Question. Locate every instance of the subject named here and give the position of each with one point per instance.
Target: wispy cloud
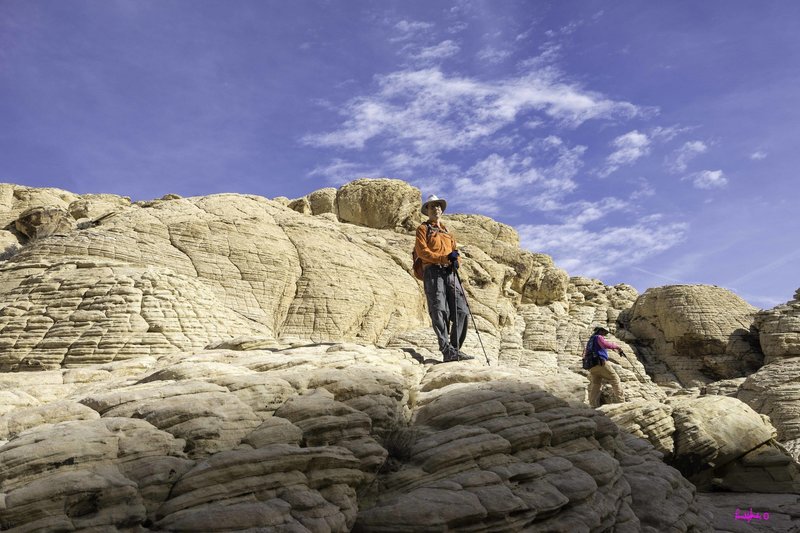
(667, 133)
(443, 50)
(643, 190)
(679, 159)
(408, 29)
(708, 179)
(339, 171)
(497, 177)
(758, 155)
(435, 112)
(493, 55)
(600, 253)
(629, 147)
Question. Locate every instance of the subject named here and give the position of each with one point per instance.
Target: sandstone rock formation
(237, 362)
(779, 330)
(775, 391)
(717, 442)
(379, 204)
(38, 222)
(357, 438)
(699, 333)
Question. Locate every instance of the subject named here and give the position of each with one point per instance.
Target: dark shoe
(460, 356)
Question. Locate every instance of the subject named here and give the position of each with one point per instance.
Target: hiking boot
(460, 356)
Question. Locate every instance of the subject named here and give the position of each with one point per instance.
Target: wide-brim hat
(433, 199)
(601, 330)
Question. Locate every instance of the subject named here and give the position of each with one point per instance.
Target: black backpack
(591, 359)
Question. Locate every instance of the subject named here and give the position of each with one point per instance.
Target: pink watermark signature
(750, 515)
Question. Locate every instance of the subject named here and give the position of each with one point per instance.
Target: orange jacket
(433, 250)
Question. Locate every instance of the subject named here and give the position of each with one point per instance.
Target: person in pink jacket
(602, 368)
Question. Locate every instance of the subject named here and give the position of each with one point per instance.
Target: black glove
(453, 256)
(622, 353)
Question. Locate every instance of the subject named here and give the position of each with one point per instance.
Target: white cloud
(339, 171)
(496, 176)
(584, 212)
(644, 190)
(680, 158)
(708, 179)
(550, 52)
(629, 147)
(409, 28)
(758, 155)
(434, 112)
(537, 177)
(493, 55)
(600, 253)
(443, 50)
(666, 134)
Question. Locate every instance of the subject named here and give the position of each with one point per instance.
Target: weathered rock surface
(721, 443)
(363, 432)
(380, 204)
(237, 362)
(779, 330)
(38, 222)
(776, 512)
(717, 442)
(700, 333)
(775, 391)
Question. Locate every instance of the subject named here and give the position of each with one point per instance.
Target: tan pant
(596, 376)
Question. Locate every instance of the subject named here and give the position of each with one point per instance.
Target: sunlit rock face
(779, 330)
(701, 334)
(234, 362)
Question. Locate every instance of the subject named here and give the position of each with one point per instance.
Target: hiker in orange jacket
(436, 247)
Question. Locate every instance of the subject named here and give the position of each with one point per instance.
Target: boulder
(779, 330)
(721, 443)
(93, 206)
(323, 201)
(700, 333)
(775, 391)
(38, 222)
(380, 204)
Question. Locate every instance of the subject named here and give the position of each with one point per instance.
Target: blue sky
(649, 143)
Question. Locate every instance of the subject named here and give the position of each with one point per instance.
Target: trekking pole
(625, 355)
(455, 312)
(464, 293)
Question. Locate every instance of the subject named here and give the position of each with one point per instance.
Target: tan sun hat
(433, 199)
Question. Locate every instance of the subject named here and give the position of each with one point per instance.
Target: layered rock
(380, 204)
(282, 351)
(700, 333)
(717, 442)
(505, 456)
(208, 277)
(498, 452)
(105, 473)
(779, 330)
(775, 391)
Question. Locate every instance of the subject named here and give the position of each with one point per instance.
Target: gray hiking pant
(443, 300)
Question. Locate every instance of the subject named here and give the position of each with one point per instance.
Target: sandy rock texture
(232, 362)
(779, 330)
(695, 334)
(717, 442)
(775, 391)
(356, 438)
(770, 513)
